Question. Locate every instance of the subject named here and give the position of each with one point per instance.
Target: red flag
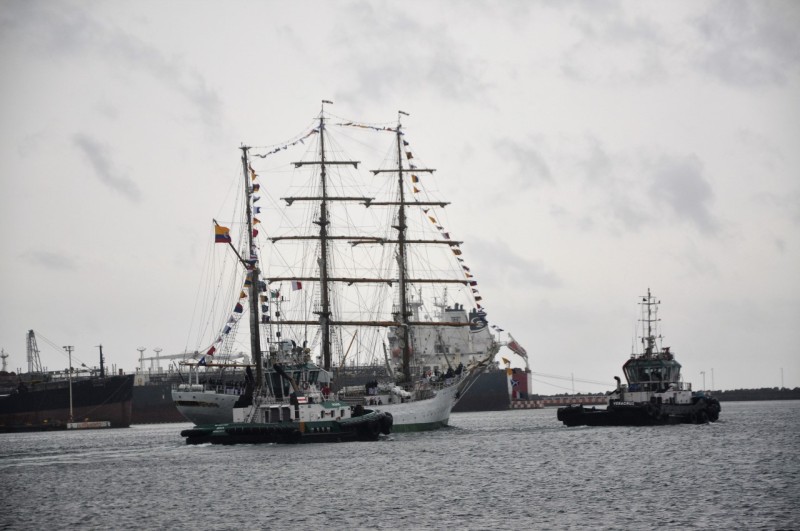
(516, 347)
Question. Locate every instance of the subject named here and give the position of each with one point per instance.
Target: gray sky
(590, 150)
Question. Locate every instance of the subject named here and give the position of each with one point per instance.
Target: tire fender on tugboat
(375, 429)
(387, 421)
(295, 436)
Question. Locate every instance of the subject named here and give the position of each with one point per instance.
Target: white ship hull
(204, 406)
(421, 415)
(209, 407)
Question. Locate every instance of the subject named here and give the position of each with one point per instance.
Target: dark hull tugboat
(654, 393)
(307, 417)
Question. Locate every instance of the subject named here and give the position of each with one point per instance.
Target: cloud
(50, 260)
(108, 175)
(428, 59)
(531, 165)
(614, 46)
(509, 268)
(632, 189)
(679, 184)
(750, 43)
(60, 30)
(787, 204)
(608, 184)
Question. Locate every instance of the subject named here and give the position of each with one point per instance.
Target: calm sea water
(508, 470)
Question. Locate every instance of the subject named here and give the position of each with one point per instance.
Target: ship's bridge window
(647, 374)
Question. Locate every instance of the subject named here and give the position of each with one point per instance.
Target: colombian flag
(222, 234)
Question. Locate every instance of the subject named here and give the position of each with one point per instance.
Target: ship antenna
(69, 349)
(649, 339)
(649, 324)
(102, 362)
(34, 362)
(141, 359)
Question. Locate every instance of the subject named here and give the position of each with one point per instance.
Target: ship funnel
(619, 383)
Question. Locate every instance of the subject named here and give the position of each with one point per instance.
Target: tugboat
(308, 417)
(654, 393)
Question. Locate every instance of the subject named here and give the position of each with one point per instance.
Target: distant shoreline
(745, 395)
(736, 395)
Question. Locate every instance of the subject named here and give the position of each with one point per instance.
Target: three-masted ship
(351, 283)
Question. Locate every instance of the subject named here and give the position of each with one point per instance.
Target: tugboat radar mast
(650, 321)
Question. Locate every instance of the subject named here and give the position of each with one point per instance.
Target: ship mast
(403, 314)
(325, 310)
(401, 258)
(252, 266)
(324, 237)
(326, 319)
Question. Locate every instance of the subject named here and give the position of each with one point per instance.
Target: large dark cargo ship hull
(152, 404)
(489, 392)
(46, 406)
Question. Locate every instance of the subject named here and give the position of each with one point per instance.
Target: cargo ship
(498, 389)
(152, 389)
(39, 400)
(152, 399)
(489, 392)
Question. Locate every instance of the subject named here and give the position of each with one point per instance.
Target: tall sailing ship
(352, 279)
